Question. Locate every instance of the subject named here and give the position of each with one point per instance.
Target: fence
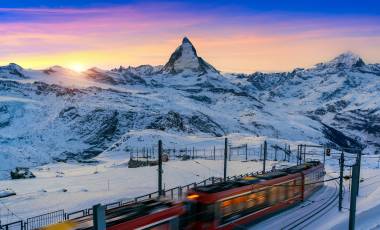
(13, 226)
(45, 219)
(58, 216)
(242, 152)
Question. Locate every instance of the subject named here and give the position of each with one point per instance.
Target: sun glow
(77, 67)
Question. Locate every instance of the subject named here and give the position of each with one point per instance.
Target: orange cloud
(111, 37)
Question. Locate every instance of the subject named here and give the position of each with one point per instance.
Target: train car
(225, 205)
(231, 204)
(312, 177)
(150, 214)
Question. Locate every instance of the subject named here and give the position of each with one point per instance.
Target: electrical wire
(10, 211)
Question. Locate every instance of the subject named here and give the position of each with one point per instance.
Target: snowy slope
(58, 115)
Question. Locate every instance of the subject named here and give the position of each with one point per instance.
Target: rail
(309, 217)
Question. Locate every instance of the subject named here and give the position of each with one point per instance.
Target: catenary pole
(354, 190)
(225, 160)
(341, 163)
(159, 168)
(265, 155)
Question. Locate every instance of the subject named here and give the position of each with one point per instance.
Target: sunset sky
(243, 36)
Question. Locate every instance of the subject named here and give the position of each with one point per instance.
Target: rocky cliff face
(185, 59)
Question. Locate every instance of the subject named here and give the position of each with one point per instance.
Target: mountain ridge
(54, 117)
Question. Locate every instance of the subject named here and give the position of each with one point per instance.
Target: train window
(273, 195)
(261, 197)
(241, 205)
(298, 187)
(290, 189)
(226, 208)
(282, 192)
(252, 200)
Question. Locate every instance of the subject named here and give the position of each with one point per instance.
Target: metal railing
(176, 193)
(45, 219)
(13, 226)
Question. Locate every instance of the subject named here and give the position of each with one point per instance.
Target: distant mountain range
(59, 114)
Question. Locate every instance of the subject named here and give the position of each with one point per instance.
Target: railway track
(317, 212)
(301, 216)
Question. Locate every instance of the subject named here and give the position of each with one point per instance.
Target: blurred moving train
(225, 205)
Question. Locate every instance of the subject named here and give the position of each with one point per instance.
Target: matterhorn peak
(186, 40)
(185, 59)
(346, 60)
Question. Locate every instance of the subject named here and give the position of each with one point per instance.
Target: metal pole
(341, 162)
(275, 153)
(159, 168)
(265, 155)
(214, 152)
(246, 152)
(285, 152)
(230, 153)
(304, 154)
(298, 151)
(99, 217)
(193, 152)
(324, 156)
(359, 164)
(354, 190)
(225, 160)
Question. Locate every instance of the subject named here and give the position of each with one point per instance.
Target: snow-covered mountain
(58, 114)
(185, 59)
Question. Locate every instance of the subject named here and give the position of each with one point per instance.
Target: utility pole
(341, 163)
(225, 159)
(193, 152)
(159, 168)
(214, 152)
(354, 192)
(265, 155)
(246, 152)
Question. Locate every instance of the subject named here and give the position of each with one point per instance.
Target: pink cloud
(158, 28)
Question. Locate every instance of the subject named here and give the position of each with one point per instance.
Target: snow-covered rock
(345, 60)
(58, 114)
(12, 71)
(6, 192)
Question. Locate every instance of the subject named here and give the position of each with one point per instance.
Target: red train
(236, 203)
(224, 205)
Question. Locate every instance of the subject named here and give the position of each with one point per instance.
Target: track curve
(306, 212)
